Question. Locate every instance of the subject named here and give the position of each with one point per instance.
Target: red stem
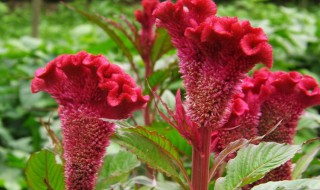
(201, 161)
(148, 71)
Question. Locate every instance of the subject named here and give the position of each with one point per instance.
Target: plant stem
(201, 161)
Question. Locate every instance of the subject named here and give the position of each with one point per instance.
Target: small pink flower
(87, 88)
(147, 21)
(215, 53)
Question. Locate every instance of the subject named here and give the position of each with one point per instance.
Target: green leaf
(106, 27)
(152, 148)
(231, 148)
(102, 184)
(162, 44)
(254, 161)
(156, 78)
(116, 166)
(309, 120)
(303, 163)
(173, 136)
(43, 172)
(149, 184)
(119, 163)
(299, 184)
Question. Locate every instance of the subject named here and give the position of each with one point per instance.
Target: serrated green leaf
(231, 148)
(173, 136)
(112, 180)
(151, 148)
(309, 120)
(43, 172)
(220, 183)
(303, 163)
(254, 161)
(116, 164)
(160, 141)
(299, 184)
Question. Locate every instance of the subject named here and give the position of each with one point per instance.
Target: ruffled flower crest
(245, 115)
(87, 88)
(290, 93)
(214, 54)
(147, 21)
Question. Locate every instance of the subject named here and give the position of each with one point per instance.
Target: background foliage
(294, 32)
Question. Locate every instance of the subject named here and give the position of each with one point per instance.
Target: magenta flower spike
(87, 88)
(291, 94)
(244, 119)
(147, 21)
(215, 53)
(147, 32)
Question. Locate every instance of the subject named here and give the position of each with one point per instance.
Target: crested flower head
(290, 94)
(245, 114)
(147, 21)
(214, 52)
(145, 17)
(87, 88)
(85, 81)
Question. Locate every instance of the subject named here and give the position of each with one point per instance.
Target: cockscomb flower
(290, 94)
(87, 88)
(215, 53)
(244, 119)
(147, 21)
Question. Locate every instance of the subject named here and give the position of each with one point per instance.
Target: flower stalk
(201, 161)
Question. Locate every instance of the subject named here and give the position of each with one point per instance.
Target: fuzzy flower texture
(215, 54)
(87, 88)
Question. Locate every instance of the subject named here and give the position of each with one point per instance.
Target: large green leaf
(303, 163)
(299, 184)
(231, 148)
(253, 162)
(152, 148)
(119, 163)
(173, 136)
(43, 172)
(116, 167)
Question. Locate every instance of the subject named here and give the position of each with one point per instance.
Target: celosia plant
(214, 53)
(87, 88)
(290, 94)
(147, 33)
(224, 109)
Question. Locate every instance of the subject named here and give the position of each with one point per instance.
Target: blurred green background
(28, 41)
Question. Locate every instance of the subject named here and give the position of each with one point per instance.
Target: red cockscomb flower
(290, 94)
(214, 54)
(147, 21)
(244, 119)
(87, 88)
